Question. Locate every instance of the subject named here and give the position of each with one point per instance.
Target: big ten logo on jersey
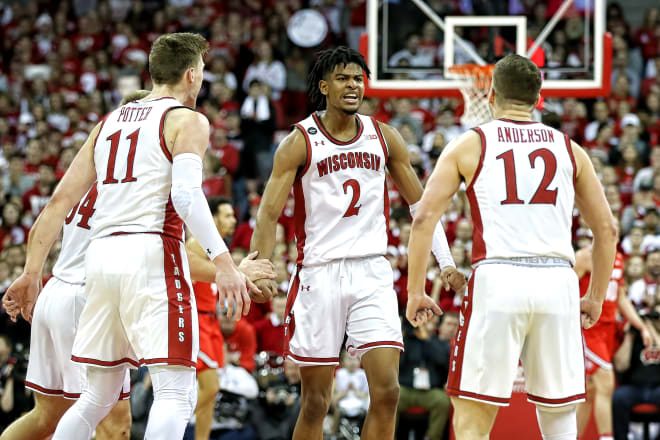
(357, 159)
(179, 300)
(133, 114)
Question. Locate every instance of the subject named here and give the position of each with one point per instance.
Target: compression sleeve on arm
(440, 247)
(189, 202)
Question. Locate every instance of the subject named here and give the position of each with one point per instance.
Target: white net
(475, 86)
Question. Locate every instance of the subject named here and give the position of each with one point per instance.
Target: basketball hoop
(474, 88)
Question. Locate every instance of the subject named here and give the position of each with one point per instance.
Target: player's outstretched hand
(590, 311)
(257, 269)
(421, 309)
(233, 287)
(451, 276)
(268, 289)
(21, 296)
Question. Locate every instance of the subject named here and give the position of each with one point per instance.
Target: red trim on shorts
(173, 224)
(332, 138)
(311, 359)
(179, 310)
(381, 138)
(299, 218)
(100, 363)
(308, 146)
(289, 319)
(99, 133)
(478, 244)
(538, 399)
(458, 343)
(168, 361)
(49, 392)
(375, 344)
(569, 147)
(125, 396)
(459, 393)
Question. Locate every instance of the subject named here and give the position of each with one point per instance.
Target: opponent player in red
(599, 344)
(211, 342)
(336, 160)
(523, 303)
(147, 159)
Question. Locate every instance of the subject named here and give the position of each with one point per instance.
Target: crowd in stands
(63, 65)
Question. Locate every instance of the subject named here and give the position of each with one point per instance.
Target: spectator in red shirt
(11, 230)
(36, 198)
(270, 331)
(241, 342)
(244, 231)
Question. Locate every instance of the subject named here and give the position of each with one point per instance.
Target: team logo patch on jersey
(312, 130)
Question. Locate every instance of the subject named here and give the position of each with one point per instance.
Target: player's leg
(382, 368)
(99, 396)
(209, 386)
(175, 395)
(557, 422)
(41, 421)
(603, 380)
(117, 424)
(316, 384)
(473, 420)
(584, 408)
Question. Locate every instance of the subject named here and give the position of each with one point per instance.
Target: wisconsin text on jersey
(351, 159)
(524, 135)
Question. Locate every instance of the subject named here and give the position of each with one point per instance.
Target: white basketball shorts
(140, 306)
(352, 297)
(512, 313)
(54, 324)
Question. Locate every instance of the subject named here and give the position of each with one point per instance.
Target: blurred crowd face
(653, 264)
(635, 268)
(278, 304)
(225, 219)
(448, 327)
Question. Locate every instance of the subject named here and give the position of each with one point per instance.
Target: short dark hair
(172, 54)
(326, 62)
(517, 78)
(215, 202)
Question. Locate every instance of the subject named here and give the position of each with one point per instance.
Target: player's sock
(608, 436)
(175, 396)
(97, 399)
(557, 423)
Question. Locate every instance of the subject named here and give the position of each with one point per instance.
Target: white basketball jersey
(70, 264)
(523, 192)
(134, 172)
(341, 208)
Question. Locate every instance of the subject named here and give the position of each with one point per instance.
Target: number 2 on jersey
(542, 195)
(114, 146)
(352, 208)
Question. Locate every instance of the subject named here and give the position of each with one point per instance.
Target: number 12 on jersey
(114, 139)
(542, 196)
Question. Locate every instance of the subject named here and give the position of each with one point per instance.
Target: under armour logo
(303, 288)
(316, 143)
(208, 251)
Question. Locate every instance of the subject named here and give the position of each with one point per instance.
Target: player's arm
(582, 262)
(202, 269)
(410, 187)
(629, 312)
(459, 158)
(290, 155)
(592, 204)
(187, 134)
(22, 294)
(623, 354)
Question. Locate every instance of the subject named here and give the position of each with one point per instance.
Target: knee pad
(177, 384)
(558, 422)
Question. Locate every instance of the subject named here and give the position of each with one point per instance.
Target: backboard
(410, 44)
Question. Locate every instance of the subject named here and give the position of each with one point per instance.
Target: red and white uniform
(343, 284)
(523, 297)
(138, 281)
(57, 311)
(600, 339)
(211, 341)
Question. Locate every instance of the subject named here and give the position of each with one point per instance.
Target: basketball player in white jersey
(523, 300)
(147, 159)
(336, 161)
(55, 379)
